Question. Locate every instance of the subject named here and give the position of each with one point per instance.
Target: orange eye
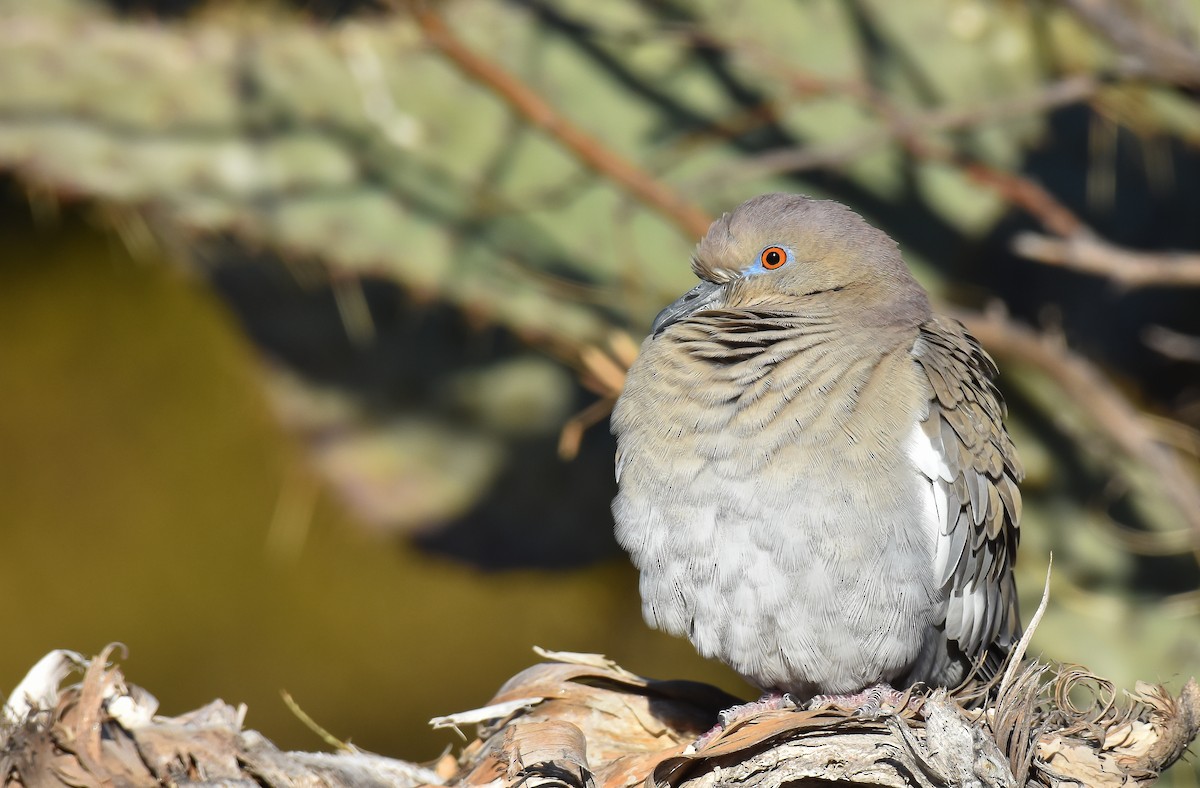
(772, 257)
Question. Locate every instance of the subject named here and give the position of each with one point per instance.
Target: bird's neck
(875, 304)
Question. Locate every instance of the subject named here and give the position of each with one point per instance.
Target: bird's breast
(741, 399)
(765, 494)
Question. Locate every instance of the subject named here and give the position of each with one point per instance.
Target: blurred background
(311, 314)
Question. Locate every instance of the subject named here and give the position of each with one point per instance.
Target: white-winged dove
(814, 478)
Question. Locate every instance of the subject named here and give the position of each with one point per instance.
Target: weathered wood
(582, 721)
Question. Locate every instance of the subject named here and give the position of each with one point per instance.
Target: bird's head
(780, 251)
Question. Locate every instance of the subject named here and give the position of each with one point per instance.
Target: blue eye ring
(773, 257)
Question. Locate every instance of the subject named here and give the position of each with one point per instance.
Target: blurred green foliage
(419, 270)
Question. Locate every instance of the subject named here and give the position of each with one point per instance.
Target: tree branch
(903, 126)
(1166, 57)
(1087, 252)
(691, 219)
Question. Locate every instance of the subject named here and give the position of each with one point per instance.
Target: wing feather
(975, 484)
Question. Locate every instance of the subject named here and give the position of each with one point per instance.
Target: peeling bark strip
(584, 722)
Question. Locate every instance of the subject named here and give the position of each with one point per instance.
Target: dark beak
(695, 300)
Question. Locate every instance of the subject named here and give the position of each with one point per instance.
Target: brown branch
(1086, 252)
(805, 84)
(907, 129)
(1174, 345)
(602, 371)
(1013, 188)
(570, 437)
(1166, 57)
(904, 126)
(691, 219)
(1027, 194)
(1088, 390)
(1054, 95)
(790, 161)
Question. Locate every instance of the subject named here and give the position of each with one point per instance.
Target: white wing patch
(966, 610)
(937, 518)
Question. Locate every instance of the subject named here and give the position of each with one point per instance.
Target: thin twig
(1181, 436)
(1092, 393)
(1167, 57)
(1018, 652)
(1084, 251)
(908, 127)
(1028, 195)
(1174, 345)
(1155, 543)
(691, 219)
(1053, 95)
(312, 724)
(903, 126)
(1012, 187)
(604, 373)
(571, 435)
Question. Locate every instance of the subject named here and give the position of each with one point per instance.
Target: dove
(814, 477)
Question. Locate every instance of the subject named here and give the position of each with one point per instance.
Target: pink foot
(771, 702)
(868, 703)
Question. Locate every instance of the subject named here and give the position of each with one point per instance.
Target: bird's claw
(726, 718)
(867, 703)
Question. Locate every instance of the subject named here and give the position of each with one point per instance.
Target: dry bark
(580, 720)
